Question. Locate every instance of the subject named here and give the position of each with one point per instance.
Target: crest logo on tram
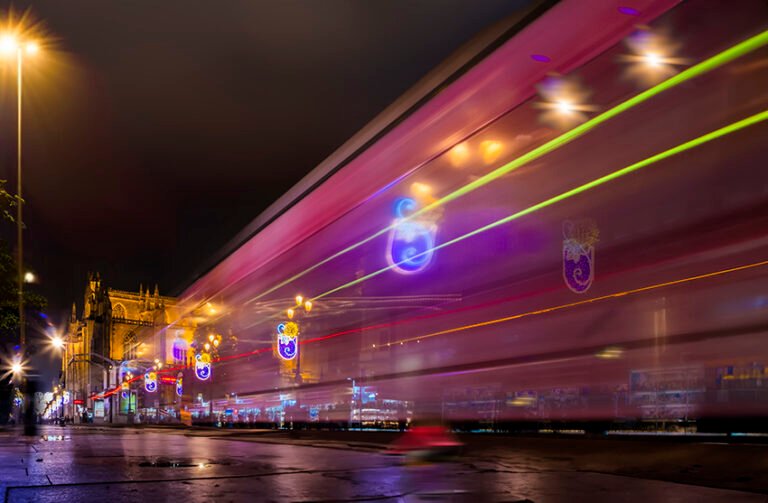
(288, 340)
(579, 240)
(202, 366)
(411, 242)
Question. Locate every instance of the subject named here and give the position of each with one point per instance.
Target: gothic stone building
(118, 330)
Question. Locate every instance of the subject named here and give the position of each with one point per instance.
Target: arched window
(118, 311)
(129, 347)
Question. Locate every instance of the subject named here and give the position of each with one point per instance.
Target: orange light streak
(583, 302)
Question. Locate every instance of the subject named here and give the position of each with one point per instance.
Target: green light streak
(731, 128)
(705, 66)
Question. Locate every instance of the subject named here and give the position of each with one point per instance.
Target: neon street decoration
(150, 382)
(179, 385)
(288, 340)
(411, 242)
(203, 366)
(579, 239)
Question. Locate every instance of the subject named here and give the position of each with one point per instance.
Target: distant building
(117, 332)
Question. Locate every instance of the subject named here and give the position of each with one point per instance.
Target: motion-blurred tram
(567, 222)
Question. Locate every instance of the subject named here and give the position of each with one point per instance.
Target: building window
(129, 347)
(118, 311)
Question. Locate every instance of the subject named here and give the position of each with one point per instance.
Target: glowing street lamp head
(289, 313)
(564, 107)
(8, 43)
(207, 346)
(652, 59)
(16, 368)
(299, 300)
(57, 342)
(30, 277)
(308, 306)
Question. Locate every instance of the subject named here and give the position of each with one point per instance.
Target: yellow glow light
(210, 337)
(207, 346)
(491, 150)
(308, 306)
(16, 368)
(216, 343)
(652, 59)
(564, 107)
(8, 43)
(289, 313)
(32, 48)
(459, 155)
(299, 300)
(421, 189)
(57, 342)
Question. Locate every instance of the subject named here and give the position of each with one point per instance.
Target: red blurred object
(426, 441)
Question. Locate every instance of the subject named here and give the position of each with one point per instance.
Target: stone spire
(73, 316)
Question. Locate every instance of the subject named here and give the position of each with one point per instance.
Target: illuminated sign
(150, 382)
(179, 385)
(203, 366)
(288, 340)
(579, 239)
(66, 397)
(411, 242)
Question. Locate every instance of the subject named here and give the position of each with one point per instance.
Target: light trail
(712, 63)
(584, 302)
(504, 319)
(718, 133)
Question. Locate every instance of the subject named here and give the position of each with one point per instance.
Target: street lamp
(57, 342)
(10, 44)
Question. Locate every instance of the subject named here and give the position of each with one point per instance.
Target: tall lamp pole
(19, 201)
(11, 44)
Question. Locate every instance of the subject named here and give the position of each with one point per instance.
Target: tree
(9, 304)
(9, 298)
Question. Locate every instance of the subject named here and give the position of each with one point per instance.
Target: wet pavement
(116, 465)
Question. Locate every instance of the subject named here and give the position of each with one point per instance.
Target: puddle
(180, 463)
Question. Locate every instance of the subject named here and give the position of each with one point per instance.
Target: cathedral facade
(116, 332)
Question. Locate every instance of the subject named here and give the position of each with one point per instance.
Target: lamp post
(301, 305)
(10, 44)
(288, 342)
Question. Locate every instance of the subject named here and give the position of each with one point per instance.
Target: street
(92, 464)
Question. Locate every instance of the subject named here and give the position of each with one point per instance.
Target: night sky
(155, 131)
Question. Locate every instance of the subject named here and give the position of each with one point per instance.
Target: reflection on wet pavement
(127, 465)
